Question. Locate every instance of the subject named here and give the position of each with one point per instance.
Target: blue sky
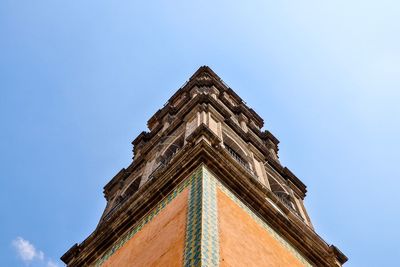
(79, 79)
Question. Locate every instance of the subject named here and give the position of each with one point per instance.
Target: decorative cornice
(342, 259)
(150, 139)
(232, 175)
(114, 181)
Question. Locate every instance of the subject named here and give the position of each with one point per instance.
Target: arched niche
(281, 192)
(171, 148)
(132, 187)
(236, 150)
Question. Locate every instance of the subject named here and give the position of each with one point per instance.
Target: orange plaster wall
(160, 243)
(243, 242)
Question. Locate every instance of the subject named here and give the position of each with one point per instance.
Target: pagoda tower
(205, 188)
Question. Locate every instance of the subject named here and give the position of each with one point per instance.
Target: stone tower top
(205, 123)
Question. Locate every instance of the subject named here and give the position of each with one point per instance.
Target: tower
(205, 188)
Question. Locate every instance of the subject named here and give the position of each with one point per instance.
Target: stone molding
(234, 177)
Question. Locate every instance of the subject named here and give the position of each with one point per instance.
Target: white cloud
(26, 251)
(29, 254)
(50, 263)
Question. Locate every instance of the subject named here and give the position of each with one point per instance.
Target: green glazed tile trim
(202, 238)
(210, 241)
(202, 234)
(192, 255)
(150, 216)
(277, 236)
